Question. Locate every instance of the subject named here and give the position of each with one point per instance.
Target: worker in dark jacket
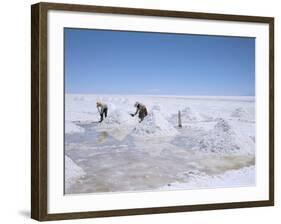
(102, 108)
(141, 110)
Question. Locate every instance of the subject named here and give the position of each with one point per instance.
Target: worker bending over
(141, 110)
(102, 108)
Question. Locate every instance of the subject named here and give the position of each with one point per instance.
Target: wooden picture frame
(39, 110)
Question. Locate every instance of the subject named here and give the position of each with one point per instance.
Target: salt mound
(222, 125)
(111, 106)
(118, 124)
(187, 115)
(231, 178)
(154, 125)
(219, 139)
(239, 113)
(115, 119)
(72, 172)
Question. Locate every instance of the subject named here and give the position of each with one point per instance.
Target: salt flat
(214, 148)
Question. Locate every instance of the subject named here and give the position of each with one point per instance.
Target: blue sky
(113, 62)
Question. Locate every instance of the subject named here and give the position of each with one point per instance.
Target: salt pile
(115, 119)
(219, 139)
(187, 115)
(154, 125)
(118, 124)
(222, 126)
(239, 113)
(72, 172)
(234, 178)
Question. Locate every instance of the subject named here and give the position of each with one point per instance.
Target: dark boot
(101, 118)
(105, 112)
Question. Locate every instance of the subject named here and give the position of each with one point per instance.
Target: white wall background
(15, 111)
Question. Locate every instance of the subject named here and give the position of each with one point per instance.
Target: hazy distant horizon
(122, 94)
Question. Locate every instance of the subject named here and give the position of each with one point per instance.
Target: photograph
(151, 111)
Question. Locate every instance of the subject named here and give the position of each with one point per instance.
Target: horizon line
(138, 94)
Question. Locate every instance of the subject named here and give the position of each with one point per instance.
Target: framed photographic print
(141, 111)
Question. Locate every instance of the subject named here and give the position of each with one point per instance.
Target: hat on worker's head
(98, 103)
(136, 104)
